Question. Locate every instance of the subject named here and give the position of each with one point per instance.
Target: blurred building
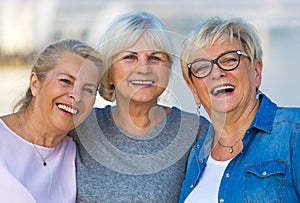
(26, 26)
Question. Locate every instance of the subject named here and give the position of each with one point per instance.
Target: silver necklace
(34, 147)
(230, 148)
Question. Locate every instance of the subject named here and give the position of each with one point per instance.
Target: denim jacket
(268, 167)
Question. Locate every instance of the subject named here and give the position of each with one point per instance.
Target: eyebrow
(71, 76)
(66, 74)
(134, 52)
(91, 84)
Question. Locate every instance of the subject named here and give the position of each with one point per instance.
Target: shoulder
(186, 114)
(287, 121)
(68, 141)
(96, 114)
(9, 123)
(288, 113)
(4, 130)
(192, 116)
(106, 109)
(192, 123)
(67, 145)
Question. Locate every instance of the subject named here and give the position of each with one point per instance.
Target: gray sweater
(114, 166)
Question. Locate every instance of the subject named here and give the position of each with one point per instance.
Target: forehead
(143, 44)
(75, 65)
(216, 50)
(68, 59)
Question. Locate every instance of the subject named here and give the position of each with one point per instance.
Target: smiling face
(227, 91)
(67, 94)
(140, 73)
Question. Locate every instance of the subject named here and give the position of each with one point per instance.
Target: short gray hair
(216, 31)
(122, 33)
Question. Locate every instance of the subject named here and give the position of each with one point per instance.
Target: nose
(143, 65)
(217, 72)
(75, 94)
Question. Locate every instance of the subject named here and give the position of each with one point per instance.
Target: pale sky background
(27, 25)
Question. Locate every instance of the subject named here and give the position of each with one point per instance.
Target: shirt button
(222, 201)
(198, 146)
(191, 186)
(201, 161)
(264, 173)
(227, 175)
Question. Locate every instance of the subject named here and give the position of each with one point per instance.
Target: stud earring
(198, 109)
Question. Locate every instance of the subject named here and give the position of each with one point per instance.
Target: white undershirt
(208, 186)
(23, 178)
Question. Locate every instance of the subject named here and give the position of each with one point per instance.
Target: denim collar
(265, 115)
(263, 121)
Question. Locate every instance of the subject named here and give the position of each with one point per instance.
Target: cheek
(202, 92)
(49, 91)
(119, 76)
(87, 107)
(89, 103)
(163, 81)
(201, 87)
(119, 81)
(163, 74)
(247, 79)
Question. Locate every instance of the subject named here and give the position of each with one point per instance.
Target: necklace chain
(25, 134)
(230, 148)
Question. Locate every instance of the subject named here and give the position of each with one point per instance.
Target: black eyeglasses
(227, 61)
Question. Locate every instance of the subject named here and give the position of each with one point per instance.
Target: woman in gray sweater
(136, 150)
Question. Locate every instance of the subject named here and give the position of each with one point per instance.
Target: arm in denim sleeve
(296, 159)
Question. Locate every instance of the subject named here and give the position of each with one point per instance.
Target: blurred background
(27, 26)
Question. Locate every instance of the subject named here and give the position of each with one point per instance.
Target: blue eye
(129, 57)
(90, 90)
(155, 58)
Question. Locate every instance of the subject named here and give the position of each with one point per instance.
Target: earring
(258, 93)
(198, 109)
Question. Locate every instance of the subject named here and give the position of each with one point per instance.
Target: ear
(108, 75)
(110, 82)
(35, 85)
(194, 91)
(258, 65)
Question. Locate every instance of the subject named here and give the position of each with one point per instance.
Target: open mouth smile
(142, 82)
(67, 109)
(222, 89)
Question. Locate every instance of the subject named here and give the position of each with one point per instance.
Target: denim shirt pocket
(264, 181)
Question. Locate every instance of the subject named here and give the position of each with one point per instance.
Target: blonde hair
(216, 31)
(122, 33)
(49, 57)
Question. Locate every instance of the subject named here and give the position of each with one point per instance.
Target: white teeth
(67, 108)
(142, 82)
(221, 89)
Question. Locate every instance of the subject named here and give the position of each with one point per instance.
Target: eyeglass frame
(215, 61)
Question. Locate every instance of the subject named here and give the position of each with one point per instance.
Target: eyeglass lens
(227, 61)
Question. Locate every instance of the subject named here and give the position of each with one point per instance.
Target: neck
(35, 131)
(138, 119)
(234, 124)
(230, 128)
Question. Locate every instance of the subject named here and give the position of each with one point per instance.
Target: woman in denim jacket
(251, 152)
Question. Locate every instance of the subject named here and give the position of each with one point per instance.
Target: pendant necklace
(230, 148)
(24, 134)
